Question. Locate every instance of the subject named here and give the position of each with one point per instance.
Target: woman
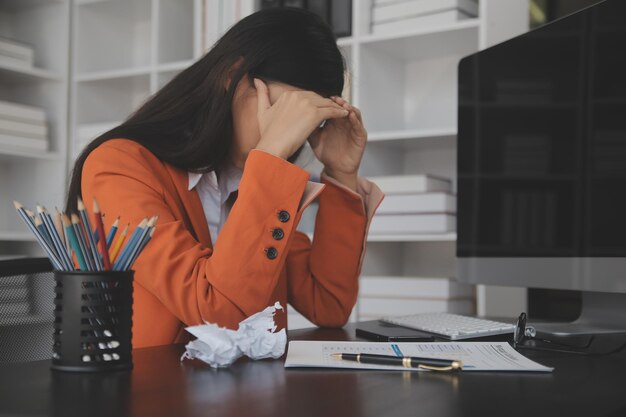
(210, 154)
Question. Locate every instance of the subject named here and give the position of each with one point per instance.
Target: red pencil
(106, 262)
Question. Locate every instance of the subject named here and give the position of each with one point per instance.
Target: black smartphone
(379, 331)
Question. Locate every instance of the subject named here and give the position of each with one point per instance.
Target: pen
(405, 361)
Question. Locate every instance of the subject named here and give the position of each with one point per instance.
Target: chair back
(26, 309)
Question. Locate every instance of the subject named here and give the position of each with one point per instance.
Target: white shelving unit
(406, 86)
(123, 52)
(31, 176)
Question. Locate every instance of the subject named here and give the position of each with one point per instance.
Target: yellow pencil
(115, 248)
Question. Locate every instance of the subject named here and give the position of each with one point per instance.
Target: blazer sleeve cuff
(370, 194)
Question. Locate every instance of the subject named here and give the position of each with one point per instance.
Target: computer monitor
(542, 163)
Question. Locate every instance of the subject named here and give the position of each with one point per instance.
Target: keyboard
(451, 326)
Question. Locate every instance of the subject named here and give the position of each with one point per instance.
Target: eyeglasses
(525, 337)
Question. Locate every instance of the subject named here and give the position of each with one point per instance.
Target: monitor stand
(600, 326)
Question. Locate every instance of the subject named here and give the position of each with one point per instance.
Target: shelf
(14, 5)
(17, 236)
(426, 42)
(413, 138)
(113, 74)
(20, 74)
(175, 66)
(433, 237)
(8, 155)
(346, 41)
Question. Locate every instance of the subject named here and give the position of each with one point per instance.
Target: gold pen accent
(453, 367)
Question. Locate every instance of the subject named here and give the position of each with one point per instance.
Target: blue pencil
(141, 247)
(87, 225)
(112, 231)
(55, 238)
(80, 236)
(121, 261)
(32, 225)
(139, 244)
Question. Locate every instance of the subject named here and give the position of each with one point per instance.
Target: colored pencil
(58, 222)
(141, 247)
(118, 244)
(55, 238)
(82, 211)
(78, 231)
(130, 245)
(106, 263)
(33, 228)
(138, 244)
(69, 232)
(44, 234)
(112, 231)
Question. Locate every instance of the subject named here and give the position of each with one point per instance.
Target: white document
(476, 356)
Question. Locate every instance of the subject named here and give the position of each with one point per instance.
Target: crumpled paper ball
(256, 338)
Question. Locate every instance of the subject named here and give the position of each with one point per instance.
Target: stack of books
(23, 127)
(383, 296)
(393, 16)
(414, 204)
(15, 54)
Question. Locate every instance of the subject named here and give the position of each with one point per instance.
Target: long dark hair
(188, 123)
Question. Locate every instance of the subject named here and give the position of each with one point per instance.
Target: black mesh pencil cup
(93, 321)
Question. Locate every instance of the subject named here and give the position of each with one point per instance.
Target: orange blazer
(182, 279)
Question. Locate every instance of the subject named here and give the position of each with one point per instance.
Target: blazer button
(283, 216)
(271, 252)
(278, 233)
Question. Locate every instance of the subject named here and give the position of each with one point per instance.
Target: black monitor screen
(542, 141)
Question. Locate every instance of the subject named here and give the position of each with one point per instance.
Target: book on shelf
(21, 112)
(416, 8)
(408, 24)
(418, 287)
(16, 53)
(417, 203)
(23, 129)
(337, 13)
(412, 223)
(409, 184)
(22, 143)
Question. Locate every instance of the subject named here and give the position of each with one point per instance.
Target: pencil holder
(93, 321)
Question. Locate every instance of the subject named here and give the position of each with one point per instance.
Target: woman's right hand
(287, 124)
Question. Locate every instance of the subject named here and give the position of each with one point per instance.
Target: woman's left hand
(340, 144)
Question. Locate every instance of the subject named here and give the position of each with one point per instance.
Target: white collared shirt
(213, 193)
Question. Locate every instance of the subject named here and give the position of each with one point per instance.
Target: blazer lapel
(192, 205)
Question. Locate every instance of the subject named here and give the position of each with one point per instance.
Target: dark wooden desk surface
(160, 385)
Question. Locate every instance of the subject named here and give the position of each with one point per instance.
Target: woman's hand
(286, 124)
(340, 144)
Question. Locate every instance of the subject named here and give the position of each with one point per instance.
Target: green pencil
(69, 231)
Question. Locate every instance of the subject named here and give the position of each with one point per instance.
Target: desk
(160, 385)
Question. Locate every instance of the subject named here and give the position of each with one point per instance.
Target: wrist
(347, 179)
(271, 150)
